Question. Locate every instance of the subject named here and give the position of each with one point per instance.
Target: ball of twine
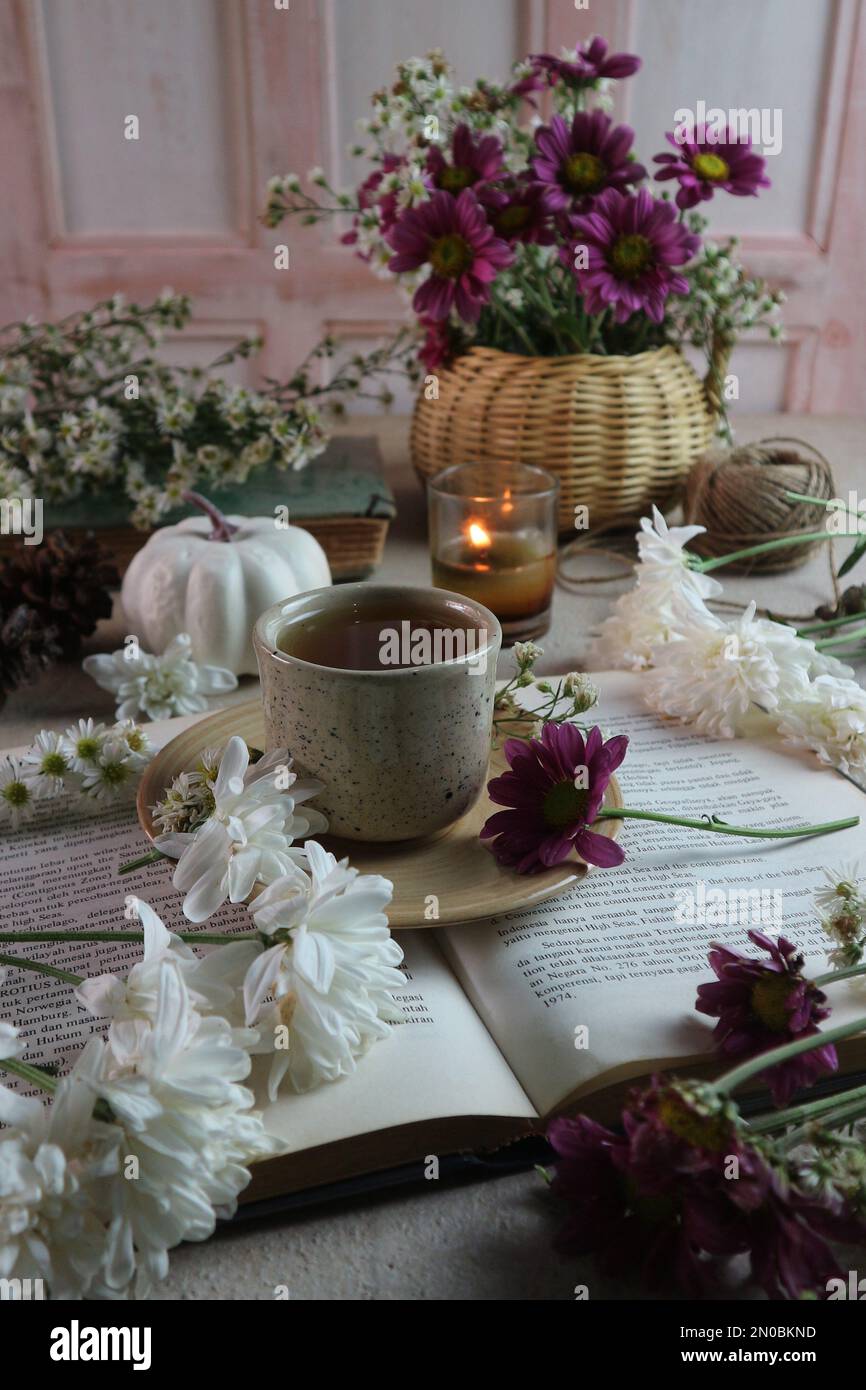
(739, 496)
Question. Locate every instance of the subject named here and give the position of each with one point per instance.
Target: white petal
(260, 980)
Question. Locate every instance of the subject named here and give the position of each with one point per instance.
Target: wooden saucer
(453, 875)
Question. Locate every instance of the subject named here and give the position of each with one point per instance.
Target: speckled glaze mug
(402, 751)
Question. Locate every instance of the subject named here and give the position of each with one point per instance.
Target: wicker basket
(618, 432)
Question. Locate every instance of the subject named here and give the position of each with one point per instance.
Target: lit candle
(499, 550)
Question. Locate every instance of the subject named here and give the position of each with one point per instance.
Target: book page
(59, 872)
(441, 1062)
(620, 955)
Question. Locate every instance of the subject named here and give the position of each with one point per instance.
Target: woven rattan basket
(618, 432)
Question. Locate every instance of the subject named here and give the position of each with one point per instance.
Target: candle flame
(507, 504)
(477, 535)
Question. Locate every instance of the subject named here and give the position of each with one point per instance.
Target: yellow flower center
(450, 255)
(114, 774)
(54, 765)
(87, 748)
(564, 804)
(512, 219)
(455, 177)
(631, 255)
(710, 167)
(769, 1001)
(583, 173)
(710, 1132)
(16, 794)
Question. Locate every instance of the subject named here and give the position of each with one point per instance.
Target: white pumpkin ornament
(212, 576)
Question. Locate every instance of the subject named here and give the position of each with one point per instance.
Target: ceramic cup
(402, 752)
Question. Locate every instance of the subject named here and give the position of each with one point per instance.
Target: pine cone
(27, 646)
(65, 583)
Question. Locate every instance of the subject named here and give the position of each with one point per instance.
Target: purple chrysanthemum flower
(577, 162)
(703, 166)
(370, 194)
(520, 211)
(683, 1188)
(454, 238)
(653, 1202)
(633, 244)
(790, 1256)
(438, 345)
(583, 70)
(554, 792)
(761, 1004)
(474, 160)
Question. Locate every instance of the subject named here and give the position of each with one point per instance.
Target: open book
(507, 1021)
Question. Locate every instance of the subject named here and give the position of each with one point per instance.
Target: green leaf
(856, 554)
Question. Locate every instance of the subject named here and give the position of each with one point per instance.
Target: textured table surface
(489, 1240)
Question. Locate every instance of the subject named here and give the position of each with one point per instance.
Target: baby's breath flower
(581, 690)
(186, 805)
(526, 654)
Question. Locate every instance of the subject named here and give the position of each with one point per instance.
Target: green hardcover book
(341, 497)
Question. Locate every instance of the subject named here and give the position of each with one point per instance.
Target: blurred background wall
(228, 92)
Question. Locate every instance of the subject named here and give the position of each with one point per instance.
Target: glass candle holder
(493, 539)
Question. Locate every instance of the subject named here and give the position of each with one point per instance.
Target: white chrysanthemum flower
(51, 1157)
(629, 636)
(248, 836)
(48, 761)
(211, 981)
(11, 1042)
(643, 619)
(717, 671)
(324, 992)
(82, 744)
(159, 686)
(187, 1126)
(663, 561)
(829, 718)
(19, 789)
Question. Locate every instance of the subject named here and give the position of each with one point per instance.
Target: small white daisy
(18, 791)
(136, 740)
(48, 760)
(83, 743)
(846, 884)
(112, 774)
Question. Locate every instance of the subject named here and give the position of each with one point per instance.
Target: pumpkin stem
(223, 529)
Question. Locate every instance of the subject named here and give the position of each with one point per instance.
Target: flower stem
(35, 1075)
(843, 639)
(704, 566)
(830, 623)
(42, 969)
(152, 857)
(722, 828)
(844, 1113)
(830, 504)
(833, 975)
(746, 1070)
(809, 1110)
(195, 938)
